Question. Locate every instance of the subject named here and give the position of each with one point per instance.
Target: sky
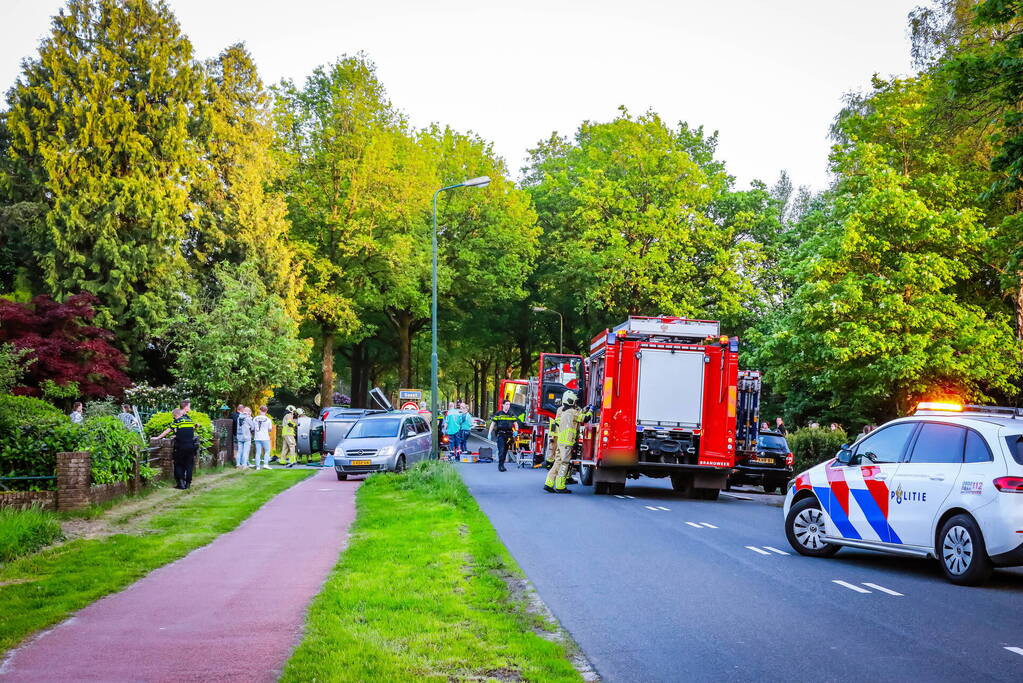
(769, 76)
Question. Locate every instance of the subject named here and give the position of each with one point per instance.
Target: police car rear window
(1015, 444)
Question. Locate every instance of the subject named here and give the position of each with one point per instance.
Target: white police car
(946, 483)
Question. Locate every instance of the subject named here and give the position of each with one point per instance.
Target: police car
(946, 482)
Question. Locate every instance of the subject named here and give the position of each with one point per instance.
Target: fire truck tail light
(723, 340)
(609, 384)
(1009, 484)
(790, 459)
(731, 401)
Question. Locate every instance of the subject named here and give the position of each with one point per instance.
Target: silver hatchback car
(385, 442)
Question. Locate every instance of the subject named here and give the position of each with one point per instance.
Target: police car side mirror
(845, 455)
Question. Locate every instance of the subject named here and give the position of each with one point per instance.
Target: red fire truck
(664, 393)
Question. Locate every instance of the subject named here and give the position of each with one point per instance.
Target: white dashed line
(889, 591)
(850, 586)
(622, 497)
(1017, 650)
(663, 508)
(758, 550)
(650, 507)
(708, 525)
(631, 497)
(775, 550)
(694, 524)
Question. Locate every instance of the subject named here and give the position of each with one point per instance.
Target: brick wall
(105, 492)
(23, 499)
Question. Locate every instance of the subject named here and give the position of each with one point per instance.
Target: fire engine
(665, 395)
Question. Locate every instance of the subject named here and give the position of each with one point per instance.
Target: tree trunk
(403, 324)
(525, 359)
(327, 368)
(1019, 309)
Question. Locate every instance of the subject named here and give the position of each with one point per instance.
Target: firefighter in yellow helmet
(569, 419)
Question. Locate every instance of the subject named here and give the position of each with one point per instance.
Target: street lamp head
(539, 309)
(482, 181)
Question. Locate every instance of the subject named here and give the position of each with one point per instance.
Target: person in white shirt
(262, 424)
(77, 413)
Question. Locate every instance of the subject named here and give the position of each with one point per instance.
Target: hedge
(814, 445)
(161, 421)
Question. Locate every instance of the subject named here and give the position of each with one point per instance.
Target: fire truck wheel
(601, 488)
(709, 494)
(617, 489)
(586, 475)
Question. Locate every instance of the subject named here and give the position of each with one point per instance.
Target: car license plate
(764, 461)
(362, 462)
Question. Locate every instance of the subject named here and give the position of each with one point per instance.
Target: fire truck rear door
(670, 388)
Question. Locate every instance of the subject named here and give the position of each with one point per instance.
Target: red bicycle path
(232, 610)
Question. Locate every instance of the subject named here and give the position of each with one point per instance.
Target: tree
(881, 317)
(346, 180)
(12, 366)
(63, 347)
(98, 128)
(241, 344)
(242, 219)
(627, 210)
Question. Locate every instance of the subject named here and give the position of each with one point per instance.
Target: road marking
(631, 497)
(694, 524)
(758, 550)
(708, 525)
(732, 495)
(775, 550)
(1017, 650)
(889, 591)
(622, 497)
(663, 508)
(850, 586)
(650, 507)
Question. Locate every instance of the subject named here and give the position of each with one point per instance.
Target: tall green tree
(242, 216)
(628, 212)
(346, 180)
(885, 313)
(98, 131)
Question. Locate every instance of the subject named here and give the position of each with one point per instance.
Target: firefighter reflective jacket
(569, 420)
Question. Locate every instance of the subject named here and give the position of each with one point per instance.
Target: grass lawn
(25, 531)
(421, 594)
(40, 590)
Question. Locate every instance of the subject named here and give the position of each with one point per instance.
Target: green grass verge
(26, 531)
(42, 589)
(420, 595)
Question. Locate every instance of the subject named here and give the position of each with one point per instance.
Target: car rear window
(1015, 444)
(772, 443)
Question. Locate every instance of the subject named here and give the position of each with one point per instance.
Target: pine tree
(99, 132)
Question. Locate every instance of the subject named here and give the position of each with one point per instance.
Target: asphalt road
(655, 587)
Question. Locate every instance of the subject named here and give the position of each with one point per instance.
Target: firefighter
(504, 425)
(186, 444)
(569, 418)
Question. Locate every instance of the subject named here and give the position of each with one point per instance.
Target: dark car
(770, 466)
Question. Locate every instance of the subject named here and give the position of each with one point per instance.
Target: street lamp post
(561, 324)
(482, 181)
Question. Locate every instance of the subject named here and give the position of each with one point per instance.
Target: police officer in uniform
(186, 444)
(504, 424)
(569, 419)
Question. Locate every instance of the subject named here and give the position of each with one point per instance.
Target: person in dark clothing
(186, 444)
(503, 426)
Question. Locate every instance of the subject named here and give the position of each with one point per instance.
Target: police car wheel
(804, 527)
(962, 553)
